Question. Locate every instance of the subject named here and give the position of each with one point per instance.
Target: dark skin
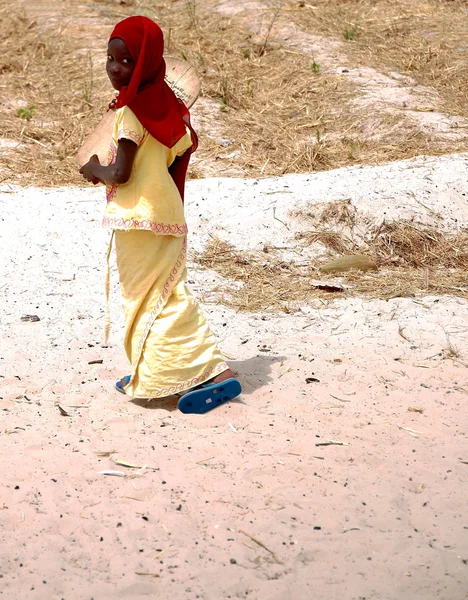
(120, 66)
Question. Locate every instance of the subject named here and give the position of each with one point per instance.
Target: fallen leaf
(361, 262)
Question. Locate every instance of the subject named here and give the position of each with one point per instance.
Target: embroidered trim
(188, 385)
(146, 224)
(128, 134)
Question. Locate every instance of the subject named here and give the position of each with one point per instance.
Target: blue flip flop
(126, 381)
(208, 396)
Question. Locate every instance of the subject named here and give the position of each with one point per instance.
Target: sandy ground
(250, 500)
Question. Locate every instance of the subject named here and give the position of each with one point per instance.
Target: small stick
(400, 332)
(276, 218)
(413, 432)
(332, 443)
(248, 545)
(200, 462)
(340, 399)
(261, 544)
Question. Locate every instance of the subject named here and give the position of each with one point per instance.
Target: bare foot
(227, 374)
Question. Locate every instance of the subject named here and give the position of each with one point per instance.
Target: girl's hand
(112, 104)
(88, 170)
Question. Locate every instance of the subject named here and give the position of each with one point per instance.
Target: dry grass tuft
(332, 240)
(404, 244)
(267, 282)
(339, 212)
(411, 262)
(333, 225)
(284, 113)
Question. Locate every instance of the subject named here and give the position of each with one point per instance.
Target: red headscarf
(155, 105)
(148, 95)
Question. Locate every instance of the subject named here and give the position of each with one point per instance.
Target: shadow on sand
(253, 373)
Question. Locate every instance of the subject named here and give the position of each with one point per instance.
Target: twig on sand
(200, 462)
(411, 431)
(276, 218)
(261, 544)
(340, 399)
(129, 465)
(332, 443)
(106, 453)
(62, 411)
(401, 329)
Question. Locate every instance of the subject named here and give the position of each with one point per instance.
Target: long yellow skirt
(167, 340)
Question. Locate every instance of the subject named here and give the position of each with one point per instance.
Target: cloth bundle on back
(168, 342)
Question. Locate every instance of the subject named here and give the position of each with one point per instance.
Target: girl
(167, 340)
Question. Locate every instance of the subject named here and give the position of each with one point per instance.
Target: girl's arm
(118, 172)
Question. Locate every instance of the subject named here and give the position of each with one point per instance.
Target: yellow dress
(167, 340)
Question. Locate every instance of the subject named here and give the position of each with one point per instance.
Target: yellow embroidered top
(150, 199)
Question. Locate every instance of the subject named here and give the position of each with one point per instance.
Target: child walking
(167, 340)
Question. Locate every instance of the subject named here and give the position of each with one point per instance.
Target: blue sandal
(125, 380)
(208, 396)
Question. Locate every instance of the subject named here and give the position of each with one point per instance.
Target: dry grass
(411, 262)
(425, 39)
(284, 111)
(397, 243)
(272, 104)
(48, 95)
(406, 245)
(268, 282)
(286, 114)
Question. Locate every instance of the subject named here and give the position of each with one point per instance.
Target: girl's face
(120, 64)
